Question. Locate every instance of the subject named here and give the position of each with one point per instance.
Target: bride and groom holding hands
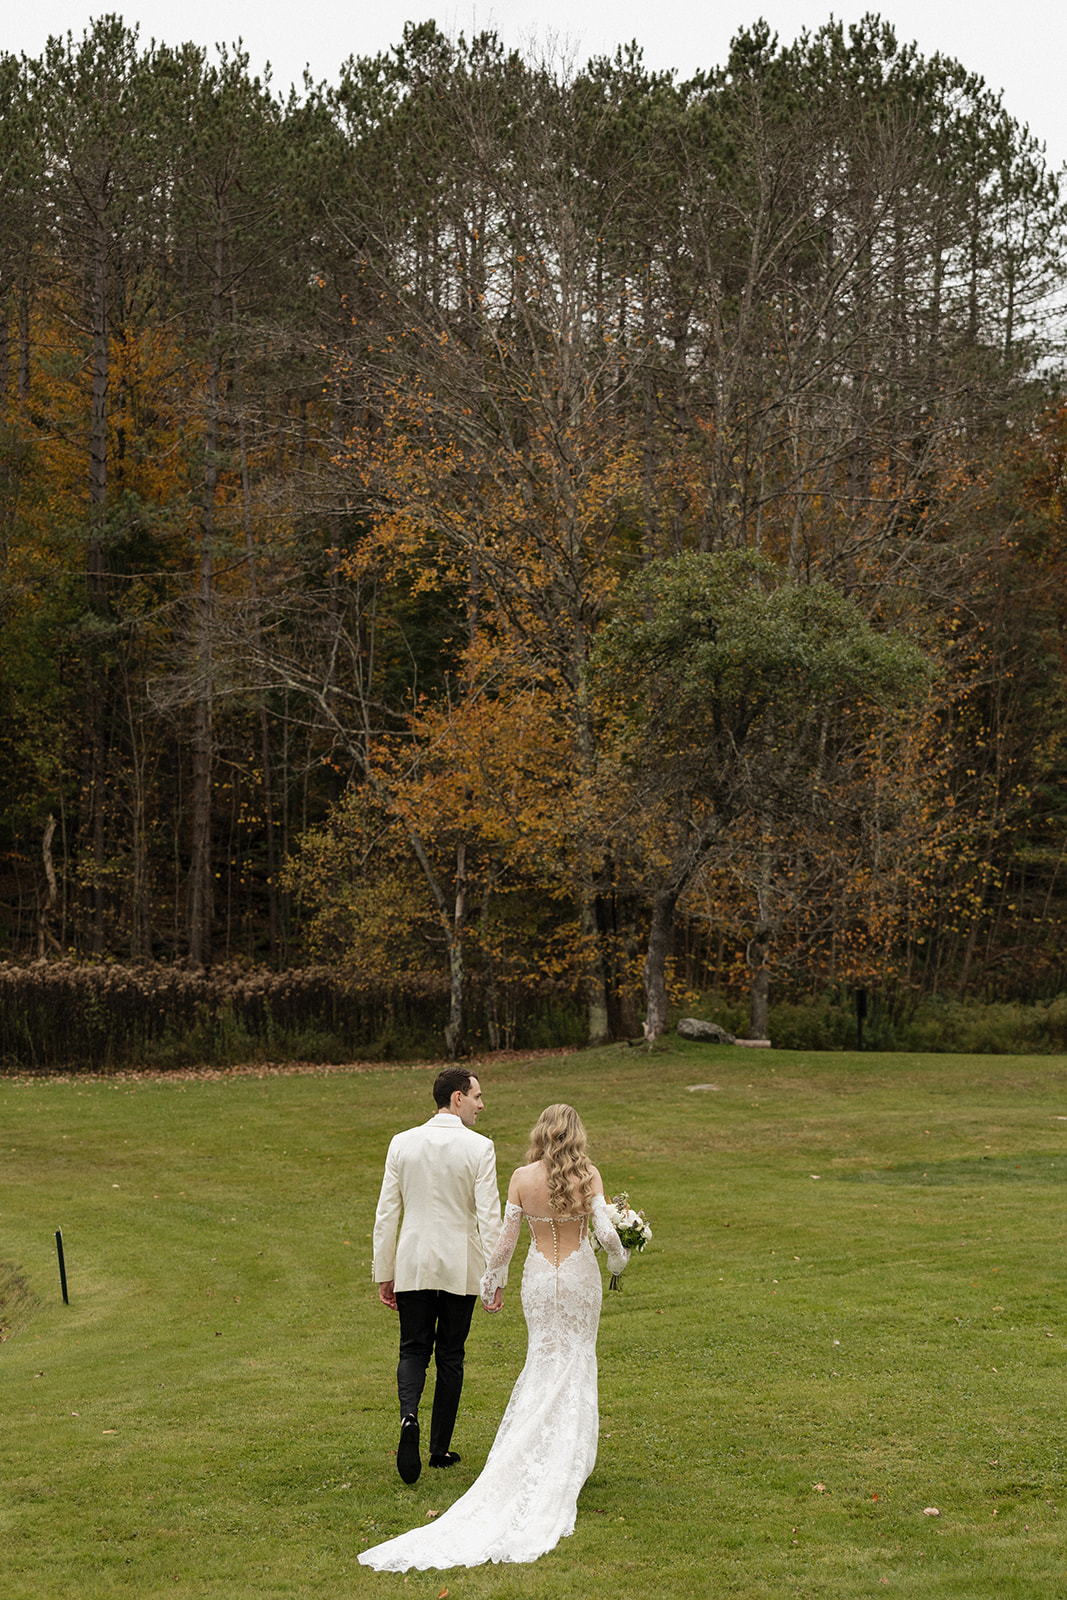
(440, 1187)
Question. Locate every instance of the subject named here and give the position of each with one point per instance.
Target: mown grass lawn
(852, 1316)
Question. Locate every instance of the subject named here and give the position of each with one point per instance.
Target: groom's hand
(387, 1295)
(497, 1301)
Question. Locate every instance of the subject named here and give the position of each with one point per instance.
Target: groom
(442, 1178)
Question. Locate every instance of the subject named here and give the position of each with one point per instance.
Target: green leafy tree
(729, 688)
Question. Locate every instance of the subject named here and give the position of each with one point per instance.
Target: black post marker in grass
(62, 1265)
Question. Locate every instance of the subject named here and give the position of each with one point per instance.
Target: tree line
(571, 529)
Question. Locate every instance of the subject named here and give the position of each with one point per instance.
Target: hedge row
(60, 1016)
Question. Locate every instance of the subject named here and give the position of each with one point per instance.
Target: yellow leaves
(494, 762)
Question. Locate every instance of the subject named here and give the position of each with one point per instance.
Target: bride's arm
(496, 1273)
(617, 1253)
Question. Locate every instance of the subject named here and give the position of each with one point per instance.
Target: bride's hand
(496, 1302)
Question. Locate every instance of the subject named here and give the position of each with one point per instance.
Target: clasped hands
(387, 1295)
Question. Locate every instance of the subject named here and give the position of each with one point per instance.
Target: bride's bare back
(556, 1235)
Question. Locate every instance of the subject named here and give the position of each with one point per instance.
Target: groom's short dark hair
(448, 1081)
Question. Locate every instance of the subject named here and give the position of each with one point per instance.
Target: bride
(526, 1498)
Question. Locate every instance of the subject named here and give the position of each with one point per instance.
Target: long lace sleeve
(496, 1273)
(617, 1253)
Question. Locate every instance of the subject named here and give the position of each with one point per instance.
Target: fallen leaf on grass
(431, 1514)
(820, 1488)
(931, 1511)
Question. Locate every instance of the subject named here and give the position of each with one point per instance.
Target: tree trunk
(201, 899)
(140, 914)
(596, 987)
(453, 925)
(5, 345)
(96, 568)
(24, 345)
(492, 999)
(978, 900)
(97, 781)
(200, 855)
(655, 969)
(759, 983)
(44, 932)
(267, 787)
(456, 965)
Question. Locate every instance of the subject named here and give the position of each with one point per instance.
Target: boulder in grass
(707, 1032)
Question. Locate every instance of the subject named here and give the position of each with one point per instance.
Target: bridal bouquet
(631, 1226)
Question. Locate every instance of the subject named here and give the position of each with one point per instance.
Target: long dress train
(525, 1499)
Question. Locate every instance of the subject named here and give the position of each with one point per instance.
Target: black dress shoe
(408, 1460)
(447, 1458)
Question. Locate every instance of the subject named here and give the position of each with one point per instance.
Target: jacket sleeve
(386, 1220)
(487, 1203)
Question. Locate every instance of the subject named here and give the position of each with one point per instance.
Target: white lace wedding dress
(526, 1498)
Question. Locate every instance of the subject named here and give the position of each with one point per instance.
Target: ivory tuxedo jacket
(440, 1178)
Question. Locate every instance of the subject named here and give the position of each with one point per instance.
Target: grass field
(851, 1316)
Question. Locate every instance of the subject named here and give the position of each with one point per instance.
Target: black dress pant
(433, 1322)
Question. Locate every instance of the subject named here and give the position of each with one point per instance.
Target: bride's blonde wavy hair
(558, 1140)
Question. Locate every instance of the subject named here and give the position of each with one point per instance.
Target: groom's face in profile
(468, 1105)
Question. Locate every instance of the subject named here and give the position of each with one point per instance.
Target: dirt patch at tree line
(285, 1069)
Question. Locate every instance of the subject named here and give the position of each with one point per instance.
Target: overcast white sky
(1019, 47)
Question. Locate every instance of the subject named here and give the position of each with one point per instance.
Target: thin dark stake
(62, 1265)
